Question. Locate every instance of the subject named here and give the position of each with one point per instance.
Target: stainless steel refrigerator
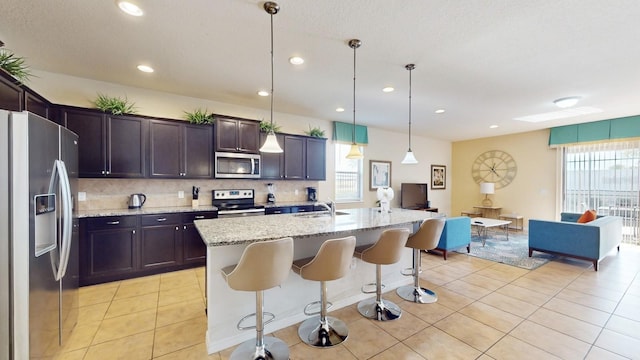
(38, 236)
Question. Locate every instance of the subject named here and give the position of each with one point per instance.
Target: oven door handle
(253, 166)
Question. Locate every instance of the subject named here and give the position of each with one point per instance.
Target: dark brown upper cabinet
(180, 150)
(11, 94)
(272, 163)
(316, 159)
(237, 135)
(303, 158)
(294, 157)
(109, 145)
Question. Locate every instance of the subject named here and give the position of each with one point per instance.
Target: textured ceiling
(484, 61)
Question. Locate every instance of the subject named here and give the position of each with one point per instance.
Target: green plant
(315, 131)
(266, 126)
(14, 65)
(199, 116)
(116, 105)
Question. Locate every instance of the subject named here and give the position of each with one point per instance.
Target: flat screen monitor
(414, 195)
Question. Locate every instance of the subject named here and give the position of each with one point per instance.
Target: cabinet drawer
(190, 217)
(111, 222)
(160, 219)
(278, 210)
(305, 208)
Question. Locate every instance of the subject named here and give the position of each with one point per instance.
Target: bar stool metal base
(273, 349)
(313, 332)
(381, 311)
(417, 294)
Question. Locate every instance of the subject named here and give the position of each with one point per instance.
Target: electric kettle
(137, 200)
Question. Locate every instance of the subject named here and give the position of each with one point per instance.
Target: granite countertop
(287, 203)
(244, 230)
(143, 211)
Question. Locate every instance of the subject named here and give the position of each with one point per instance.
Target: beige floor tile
(304, 351)
(137, 287)
(567, 325)
(511, 348)
(491, 316)
(179, 295)
(138, 346)
(624, 326)
(178, 312)
(592, 286)
(81, 336)
(629, 307)
(398, 352)
(503, 272)
(506, 303)
(597, 353)
(96, 294)
(178, 336)
(289, 335)
(407, 325)
(132, 305)
(92, 313)
(429, 313)
(72, 355)
(531, 296)
(179, 279)
(554, 342)
(547, 288)
(348, 314)
(483, 281)
(452, 299)
(367, 339)
(469, 290)
(195, 352)
(472, 332)
(591, 301)
(125, 325)
(619, 344)
(584, 313)
(433, 343)
(435, 277)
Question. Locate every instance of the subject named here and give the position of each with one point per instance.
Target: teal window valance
(621, 128)
(343, 132)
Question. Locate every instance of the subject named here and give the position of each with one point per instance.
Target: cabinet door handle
(161, 219)
(103, 172)
(184, 227)
(133, 232)
(199, 216)
(301, 210)
(113, 222)
(277, 212)
(177, 228)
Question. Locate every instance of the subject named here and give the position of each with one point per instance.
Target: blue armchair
(456, 234)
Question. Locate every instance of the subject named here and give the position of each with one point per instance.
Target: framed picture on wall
(438, 177)
(379, 174)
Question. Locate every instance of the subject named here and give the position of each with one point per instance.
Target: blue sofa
(456, 234)
(591, 241)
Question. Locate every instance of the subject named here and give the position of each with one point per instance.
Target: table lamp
(487, 188)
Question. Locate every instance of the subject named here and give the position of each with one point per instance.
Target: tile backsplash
(114, 193)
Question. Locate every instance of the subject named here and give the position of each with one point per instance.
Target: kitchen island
(227, 238)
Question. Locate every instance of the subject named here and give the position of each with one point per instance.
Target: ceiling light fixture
(339, 109)
(493, 127)
(354, 152)
(263, 93)
(145, 68)
(560, 114)
(439, 111)
(567, 101)
(271, 143)
(387, 89)
(130, 8)
(296, 60)
(409, 158)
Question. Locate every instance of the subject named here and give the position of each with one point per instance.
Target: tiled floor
(486, 310)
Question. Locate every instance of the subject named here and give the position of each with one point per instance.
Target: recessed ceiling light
(560, 114)
(388, 89)
(263, 93)
(339, 109)
(493, 126)
(439, 111)
(130, 8)
(145, 68)
(296, 60)
(567, 101)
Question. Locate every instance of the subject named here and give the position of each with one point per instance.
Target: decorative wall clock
(494, 166)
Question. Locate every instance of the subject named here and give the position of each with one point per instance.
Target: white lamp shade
(271, 144)
(487, 188)
(409, 158)
(354, 152)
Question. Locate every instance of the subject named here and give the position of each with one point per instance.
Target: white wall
(383, 145)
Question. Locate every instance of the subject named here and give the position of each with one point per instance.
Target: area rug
(514, 251)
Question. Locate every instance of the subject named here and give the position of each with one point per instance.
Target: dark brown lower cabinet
(122, 247)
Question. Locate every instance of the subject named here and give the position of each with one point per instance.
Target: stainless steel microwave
(236, 165)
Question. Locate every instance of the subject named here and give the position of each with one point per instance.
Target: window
(348, 175)
(604, 177)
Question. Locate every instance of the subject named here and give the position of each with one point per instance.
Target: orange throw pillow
(588, 216)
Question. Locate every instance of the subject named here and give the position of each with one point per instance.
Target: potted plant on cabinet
(115, 105)
(199, 116)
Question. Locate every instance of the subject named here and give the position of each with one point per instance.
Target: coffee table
(482, 224)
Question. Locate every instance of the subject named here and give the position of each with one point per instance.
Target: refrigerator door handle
(61, 178)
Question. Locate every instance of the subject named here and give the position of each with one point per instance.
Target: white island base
(225, 306)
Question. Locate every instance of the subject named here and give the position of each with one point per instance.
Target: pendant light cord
(410, 108)
(271, 72)
(353, 133)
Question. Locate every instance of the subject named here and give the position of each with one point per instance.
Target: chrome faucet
(330, 208)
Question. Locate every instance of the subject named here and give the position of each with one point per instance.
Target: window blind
(343, 132)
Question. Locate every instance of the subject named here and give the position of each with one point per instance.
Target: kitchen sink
(318, 214)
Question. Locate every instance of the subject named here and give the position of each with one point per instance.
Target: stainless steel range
(236, 203)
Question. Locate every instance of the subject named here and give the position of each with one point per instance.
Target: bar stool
(330, 263)
(426, 238)
(263, 265)
(387, 250)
